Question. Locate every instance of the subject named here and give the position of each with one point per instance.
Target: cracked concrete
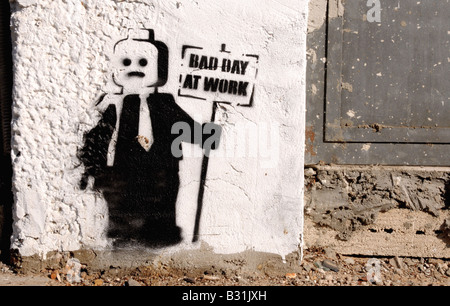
(349, 202)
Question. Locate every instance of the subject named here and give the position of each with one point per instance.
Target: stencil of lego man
(129, 151)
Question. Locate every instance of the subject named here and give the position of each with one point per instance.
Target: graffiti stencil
(130, 152)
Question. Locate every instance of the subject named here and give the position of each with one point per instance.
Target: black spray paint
(141, 187)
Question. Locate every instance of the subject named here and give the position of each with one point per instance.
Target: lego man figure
(129, 152)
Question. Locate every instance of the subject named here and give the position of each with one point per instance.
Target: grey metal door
(387, 84)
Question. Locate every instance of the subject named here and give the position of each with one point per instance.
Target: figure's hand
(84, 181)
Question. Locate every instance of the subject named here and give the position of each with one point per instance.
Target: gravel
(319, 267)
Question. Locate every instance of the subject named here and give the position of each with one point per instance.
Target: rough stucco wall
(61, 55)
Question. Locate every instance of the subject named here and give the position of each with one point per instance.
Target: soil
(319, 267)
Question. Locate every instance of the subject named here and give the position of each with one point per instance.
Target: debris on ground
(319, 267)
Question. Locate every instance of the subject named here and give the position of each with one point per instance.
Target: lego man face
(135, 64)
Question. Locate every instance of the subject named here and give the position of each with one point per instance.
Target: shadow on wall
(445, 228)
(447, 195)
(6, 79)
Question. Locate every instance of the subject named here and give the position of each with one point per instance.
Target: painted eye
(126, 62)
(143, 62)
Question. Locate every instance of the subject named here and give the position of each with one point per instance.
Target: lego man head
(140, 61)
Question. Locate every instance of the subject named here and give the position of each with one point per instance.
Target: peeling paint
(347, 86)
(351, 113)
(317, 14)
(336, 8)
(365, 147)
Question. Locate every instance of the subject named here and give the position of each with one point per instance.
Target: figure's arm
(93, 154)
(206, 134)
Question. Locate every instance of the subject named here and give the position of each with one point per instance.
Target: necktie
(135, 123)
(145, 136)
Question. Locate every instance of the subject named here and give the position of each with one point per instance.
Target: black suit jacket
(164, 114)
(129, 154)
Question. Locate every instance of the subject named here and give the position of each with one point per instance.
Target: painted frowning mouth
(136, 74)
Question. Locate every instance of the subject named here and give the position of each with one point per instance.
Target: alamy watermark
(247, 140)
(374, 13)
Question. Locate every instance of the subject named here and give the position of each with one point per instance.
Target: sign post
(218, 77)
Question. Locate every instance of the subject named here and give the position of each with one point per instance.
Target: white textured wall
(61, 66)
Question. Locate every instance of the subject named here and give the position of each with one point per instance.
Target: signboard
(218, 76)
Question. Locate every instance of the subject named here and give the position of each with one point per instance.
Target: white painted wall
(62, 52)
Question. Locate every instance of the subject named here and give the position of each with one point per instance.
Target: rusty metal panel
(387, 79)
(324, 84)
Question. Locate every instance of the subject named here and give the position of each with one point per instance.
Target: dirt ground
(320, 267)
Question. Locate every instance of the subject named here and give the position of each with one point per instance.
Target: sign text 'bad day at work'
(213, 77)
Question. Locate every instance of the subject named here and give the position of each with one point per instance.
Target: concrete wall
(373, 210)
(78, 183)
